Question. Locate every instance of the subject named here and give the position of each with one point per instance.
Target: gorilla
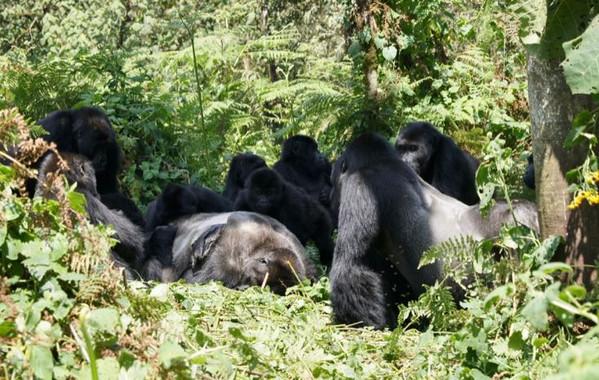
(119, 202)
(128, 252)
(302, 165)
(529, 174)
(242, 165)
(439, 161)
(181, 200)
(388, 216)
(87, 131)
(267, 193)
(240, 249)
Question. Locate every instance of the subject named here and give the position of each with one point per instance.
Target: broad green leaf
(77, 201)
(533, 17)
(536, 312)
(102, 320)
(581, 66)
(169, 353)
(555, 267)
(41, 362)
(389, 53)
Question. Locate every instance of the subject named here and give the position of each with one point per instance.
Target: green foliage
(581, 54)
(261, 71)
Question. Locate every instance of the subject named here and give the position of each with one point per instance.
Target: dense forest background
(188, 84)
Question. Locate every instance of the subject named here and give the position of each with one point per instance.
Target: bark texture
(552, 108)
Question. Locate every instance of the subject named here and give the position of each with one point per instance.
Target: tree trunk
(552, 108)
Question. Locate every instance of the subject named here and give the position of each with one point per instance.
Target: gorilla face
(270, 266)
(79, 171)
(265, 190)
(96, 140)
(414, 153)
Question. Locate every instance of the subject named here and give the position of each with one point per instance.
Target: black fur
(439, 161)
(529, 174)
(302, 165)
(87, 131)
(118, 201)
(181, 200)
(388, 217)
(242, 165)
(267, 193)
(128, 252)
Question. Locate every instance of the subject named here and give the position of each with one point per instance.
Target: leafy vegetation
(188, 84)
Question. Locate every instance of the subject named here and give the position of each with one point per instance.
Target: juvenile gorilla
(388, 217)
(439, 161)
(240, 249)
(128, 252)
(302, 165)
(242, 165)
(181, 200)
(267, 193)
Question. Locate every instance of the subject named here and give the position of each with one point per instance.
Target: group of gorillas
(388, 203)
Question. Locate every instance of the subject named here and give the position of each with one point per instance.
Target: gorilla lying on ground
(242, 165)
(302, 165)
(267, 193)
(181, 200)
(439, 161)
(128, 252)
(240, 249)
(388, 217)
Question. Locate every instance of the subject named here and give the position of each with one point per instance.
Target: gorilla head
(77, 170)
(240, 249)
(242, 165)
(416, 145)
(439, 161)
(265, 189)
(302, 152)
(87, 131)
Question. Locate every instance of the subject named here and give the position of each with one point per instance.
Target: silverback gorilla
(388, 217)
(240, 249)
(439, 161)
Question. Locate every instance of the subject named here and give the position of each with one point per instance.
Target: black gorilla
(181, 200)
(128, 252)
(529, 174)
(439, 161)
(302, 165)
(388, 217)
(240, 249)
(119, 202)
(87, 131)
(267, 193)
(242, 165)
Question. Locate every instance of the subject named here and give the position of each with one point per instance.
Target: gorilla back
(388, 216)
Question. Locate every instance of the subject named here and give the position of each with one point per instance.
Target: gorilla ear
(202, 247)
(343, 166)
